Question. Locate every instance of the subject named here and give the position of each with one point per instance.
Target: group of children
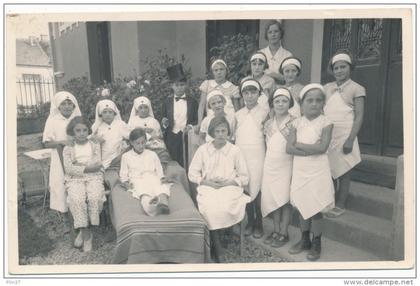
(264, 148)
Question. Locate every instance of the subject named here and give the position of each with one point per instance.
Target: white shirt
(255, 116)
(83, 153)
(180, 115)
(275, 60)
(55, 128)
(148, 122)
(226, 163)
(113, 134)
(135, 165)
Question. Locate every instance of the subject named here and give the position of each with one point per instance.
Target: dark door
(217, 29)
(99, 52)
(374, 44)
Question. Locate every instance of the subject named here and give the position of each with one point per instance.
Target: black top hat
(176, 73)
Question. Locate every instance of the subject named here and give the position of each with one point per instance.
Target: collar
(225, 149)
(277, 52)
(136, 153)
(342, 86)
(214, 84)
(180, 97)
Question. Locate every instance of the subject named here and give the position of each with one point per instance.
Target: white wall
(32, 93)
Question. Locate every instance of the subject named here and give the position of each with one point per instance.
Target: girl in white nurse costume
(312, 189)
(249, 137)
(277, 175)
(64, 107)
(345, 108)
(220, 170)
(112, 134)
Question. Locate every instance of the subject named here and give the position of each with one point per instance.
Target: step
(376, 170)
(371, 200)
(332, 251)
(359, 230)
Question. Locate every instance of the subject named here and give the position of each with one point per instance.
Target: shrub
(153, 83)
(235, 51)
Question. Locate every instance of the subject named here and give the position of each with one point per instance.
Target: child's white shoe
(78, 242)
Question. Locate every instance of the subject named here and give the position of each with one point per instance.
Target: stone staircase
(364, 232)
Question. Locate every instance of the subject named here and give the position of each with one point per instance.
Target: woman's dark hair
(136, 134)
(77, 120)
(266, 66)
(242, 83)
(271, 23)
(271, 100)
(299, 69)
(216, 121)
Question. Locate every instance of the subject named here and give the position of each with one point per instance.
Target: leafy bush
(236, 51)
(153, 83)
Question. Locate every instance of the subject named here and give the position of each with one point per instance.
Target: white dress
(274, 61)
(146, 123)
(250, 139)
(340, 110)
(225, 206)
(229, 90)
(55, 130)
(204, 127)
(312, 189)
(144, 171)
(113, 134)
(277, 175)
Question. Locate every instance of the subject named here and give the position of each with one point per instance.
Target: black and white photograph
(200, 140)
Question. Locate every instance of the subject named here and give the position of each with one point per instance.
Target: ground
(44, 239)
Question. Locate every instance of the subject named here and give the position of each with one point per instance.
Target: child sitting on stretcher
(141, 174)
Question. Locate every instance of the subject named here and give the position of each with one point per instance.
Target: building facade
(108, 50)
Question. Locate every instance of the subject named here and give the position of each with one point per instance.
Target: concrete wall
(191, 41)
(178, 38)
(71, 52)
(300, 38)
(124, 49)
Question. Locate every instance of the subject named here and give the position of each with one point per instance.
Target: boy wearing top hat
(179, 112)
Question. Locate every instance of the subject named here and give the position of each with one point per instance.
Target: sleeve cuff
(238, 182)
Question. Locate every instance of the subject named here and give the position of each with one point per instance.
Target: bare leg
(258, 226)
(286, 212)
(277, 220)
(343, 190)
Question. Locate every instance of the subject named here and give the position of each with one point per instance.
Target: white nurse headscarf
(141, 100)
(100, 106)
(58, 98)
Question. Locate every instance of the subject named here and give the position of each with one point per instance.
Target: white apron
(58, 194)
(277, 175)
(222, 207)
(312, 189)
(342, 116)
(251, 142)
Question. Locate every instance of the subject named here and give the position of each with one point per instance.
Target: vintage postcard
(217, 179)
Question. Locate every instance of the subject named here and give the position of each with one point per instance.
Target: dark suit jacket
(168, 111)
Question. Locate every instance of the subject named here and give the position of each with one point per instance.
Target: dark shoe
(249, 229)
(280, 240)
(315, 251)
(258, 233)
(303, 244)
(269, 239)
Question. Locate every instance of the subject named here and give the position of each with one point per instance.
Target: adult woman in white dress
(275, 52)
